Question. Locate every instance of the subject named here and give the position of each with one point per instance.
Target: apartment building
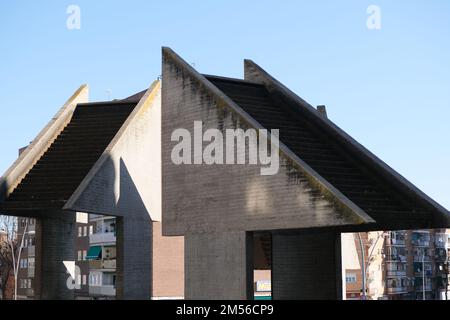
(83, 231)
(26, 228)
(402, 265)
(96, 256)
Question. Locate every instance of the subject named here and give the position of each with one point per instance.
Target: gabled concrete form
(12, 177)
(236, 197)
(327, 184)
(436, 215)
(114, 150)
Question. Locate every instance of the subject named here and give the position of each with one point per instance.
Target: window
(79, 255)
(30, 262)
(84, 254)
(85, 231)
(350, 278)
(80, 231)
(78, 279)
(108, 279)
(94, 279)
(84, 280)
(91, 230)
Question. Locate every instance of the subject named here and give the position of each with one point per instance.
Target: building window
(84, 280)
(350, 278)
(80, 231)
(95, 279)
(80, 257)
(84, 254)
(91, 230)
(78, 279)
(30, 262)
(85, 231)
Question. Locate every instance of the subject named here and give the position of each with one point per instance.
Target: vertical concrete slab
(134, 258)
(306, 265)
(219, 266)
(55, 251)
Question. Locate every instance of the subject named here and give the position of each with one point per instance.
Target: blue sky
(388, 88)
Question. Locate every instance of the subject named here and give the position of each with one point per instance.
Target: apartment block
(401, 265)
(27, 260)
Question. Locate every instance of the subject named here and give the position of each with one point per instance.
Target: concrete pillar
(134, 261)
(306, 265)
(219, 266)
(55, 250)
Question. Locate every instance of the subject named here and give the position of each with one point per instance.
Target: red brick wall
(168, 265)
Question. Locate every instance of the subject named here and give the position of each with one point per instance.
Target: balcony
(397, 290)
(420, 287)
(428, 273)
(420, 239)
(418, 258)
(396, 273)
(440, 240)
(102, 264)
(95, 264)
(30, 293)
(31, 251)
(109, 264)
(395, 258)
(105, 237)
(396, 239)
(104, 290)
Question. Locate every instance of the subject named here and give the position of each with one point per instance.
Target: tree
(6, 266)
(11, 248)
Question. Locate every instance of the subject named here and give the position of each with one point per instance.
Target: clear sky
(389, 88)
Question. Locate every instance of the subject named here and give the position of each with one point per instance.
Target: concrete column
(219, 266)
(306, 265)
(55, 250)
(134, 261)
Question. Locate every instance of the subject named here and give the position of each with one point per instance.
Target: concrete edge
(12, 177)
(374, 162)
(142, 104)
(348, 207)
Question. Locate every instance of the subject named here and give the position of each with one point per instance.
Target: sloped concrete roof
(55, 176)
(337, 165)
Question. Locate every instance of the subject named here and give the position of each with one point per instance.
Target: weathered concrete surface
(57, 232)
(210, 198)
(135, 150)
(134, 257)
(12, 177)
(219, 266)
(439, 217)
(126, 182)
(306, 265)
